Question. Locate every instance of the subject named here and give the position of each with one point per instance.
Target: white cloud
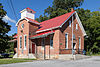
(6, 19)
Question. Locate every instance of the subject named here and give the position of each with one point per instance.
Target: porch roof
(14, 40)
(43, 34)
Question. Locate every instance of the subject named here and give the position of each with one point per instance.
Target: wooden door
(33, 48)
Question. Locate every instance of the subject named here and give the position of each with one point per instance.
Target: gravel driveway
(90, 62)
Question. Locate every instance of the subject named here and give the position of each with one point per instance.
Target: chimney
(72, 9)
(29, 13)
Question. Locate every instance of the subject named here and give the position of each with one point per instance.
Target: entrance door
(74, 47)
(33, 48)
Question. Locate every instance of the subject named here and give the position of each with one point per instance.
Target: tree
(93, 31)
(91, 23)
(60, 7)
(11, 44)
(41, 18)
(4, 29)
(65, 4)
(84, 15)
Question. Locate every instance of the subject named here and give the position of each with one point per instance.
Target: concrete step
(31, 56)
(72, 57)
(79, 56)
(65, 57)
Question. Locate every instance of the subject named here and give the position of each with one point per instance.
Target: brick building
(48, 39)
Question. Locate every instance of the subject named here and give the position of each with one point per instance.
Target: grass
(95, 55)
(11, 60)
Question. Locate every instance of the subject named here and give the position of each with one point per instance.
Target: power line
(13, 10)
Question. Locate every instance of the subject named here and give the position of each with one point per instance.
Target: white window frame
(76, 26)
(19, 43)
(70, 23)
(80, 42)
(24, 41)
(51, 36)
(22, 26)
(67, 41)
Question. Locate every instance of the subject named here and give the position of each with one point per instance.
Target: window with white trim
(66, 41)
(79, 43)
(25, 40)
(76, 26)
(51, 41)
(20, 42)
(22, 26)
(69, 23)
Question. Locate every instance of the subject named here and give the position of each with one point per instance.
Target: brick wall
(21, 32)
(78, 33)
(28, 30)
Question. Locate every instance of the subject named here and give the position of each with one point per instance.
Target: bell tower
(27, 12)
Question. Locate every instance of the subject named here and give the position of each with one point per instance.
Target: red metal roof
(31, 10)
(43, 33)
(15, 36)
(51, 23)
(33, 20)
(54, 22)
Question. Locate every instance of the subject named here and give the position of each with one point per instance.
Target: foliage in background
(4, 29)
(58, 8)
(11, 45)
(91, 23)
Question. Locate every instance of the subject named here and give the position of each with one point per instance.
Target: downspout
(28, 47)
(31, 47)
(17, 47)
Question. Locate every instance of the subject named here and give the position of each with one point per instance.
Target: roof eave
(66, 20)
(80, 24)
(27, 20)
(47, 29)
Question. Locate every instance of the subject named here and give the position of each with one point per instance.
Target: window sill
(66, 48)
(51, 48)
(24, 48)
(42, 48)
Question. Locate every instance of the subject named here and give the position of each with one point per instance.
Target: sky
(37, 5)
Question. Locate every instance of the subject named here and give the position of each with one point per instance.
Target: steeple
(27, 12)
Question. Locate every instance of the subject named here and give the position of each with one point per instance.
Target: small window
(74, 36)
(76, 26)
(20, 42)
(79, 43)
(22, 25)
(69, 23)
(25, 40)
(66, 41)
(51, 41)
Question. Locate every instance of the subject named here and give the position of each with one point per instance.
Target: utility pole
(72, 36)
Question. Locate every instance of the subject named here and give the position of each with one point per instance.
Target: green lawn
(11, 60)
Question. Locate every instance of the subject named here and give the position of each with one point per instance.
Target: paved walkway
(90, 62)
